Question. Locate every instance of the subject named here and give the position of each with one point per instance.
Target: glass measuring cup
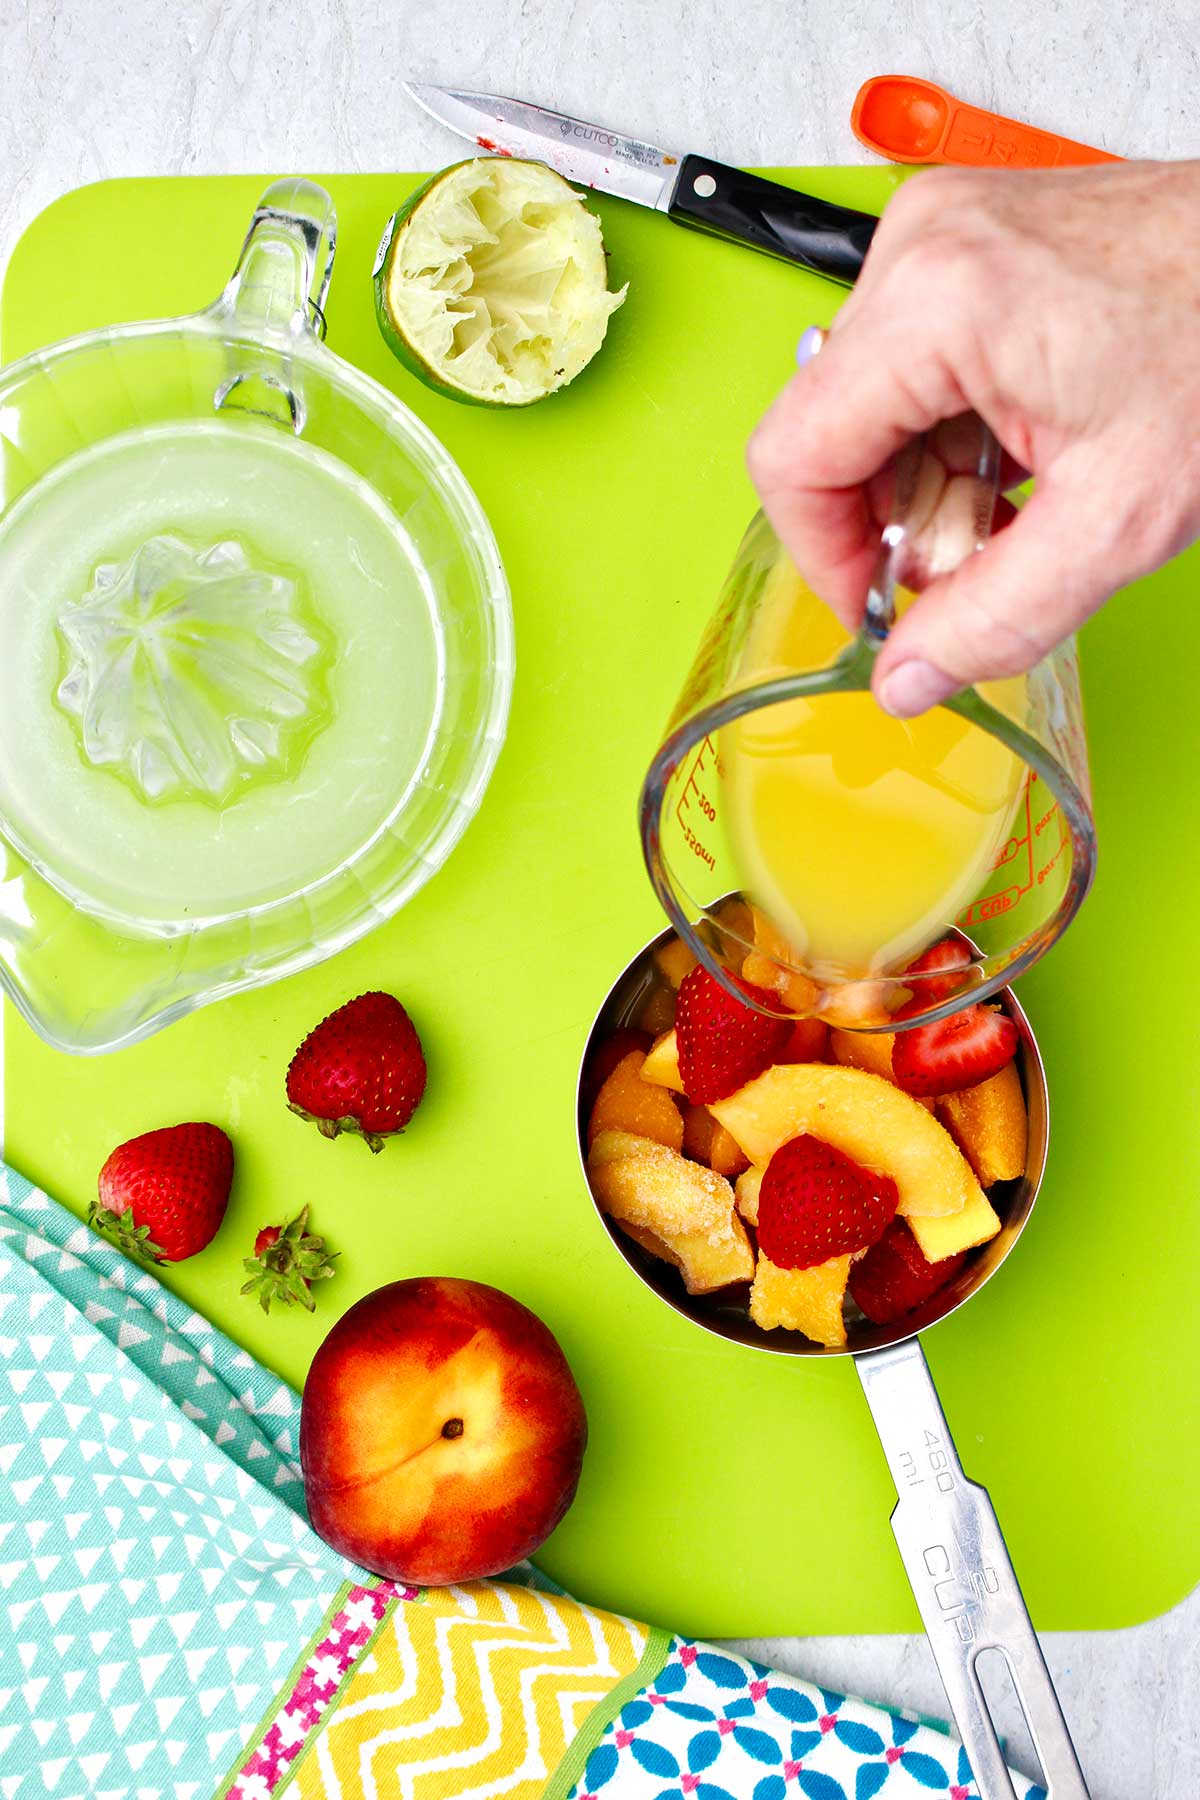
(258, 650)
(1025, 830)
(946, 1529)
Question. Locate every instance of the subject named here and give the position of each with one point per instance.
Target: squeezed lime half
(491, 282)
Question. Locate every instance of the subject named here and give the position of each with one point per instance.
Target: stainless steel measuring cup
(945, 1526)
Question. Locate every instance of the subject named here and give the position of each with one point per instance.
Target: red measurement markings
(1016, 860)
(1024, 857)
(694, 800)
(1053, 816)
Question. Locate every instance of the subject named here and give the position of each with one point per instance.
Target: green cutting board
(725, 1492)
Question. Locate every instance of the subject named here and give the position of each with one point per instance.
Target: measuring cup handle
(956, 1560)
(286, 261)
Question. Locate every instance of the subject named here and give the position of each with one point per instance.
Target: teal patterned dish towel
(172, 1629)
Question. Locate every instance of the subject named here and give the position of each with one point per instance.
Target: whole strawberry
(815, 1203)
(723, 1044)
(287, 1260)
(360, 1070)
(162, 1196)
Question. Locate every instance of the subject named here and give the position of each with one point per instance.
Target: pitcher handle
(274, 300)
(962, 1578)
(286, 261)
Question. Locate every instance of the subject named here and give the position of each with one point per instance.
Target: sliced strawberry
(604, 1059)
(814, 1203)
(723, 1044)
(894, 1276)
(955, 1053)
(938, 971)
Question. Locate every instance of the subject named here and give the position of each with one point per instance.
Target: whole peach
(441, 1433)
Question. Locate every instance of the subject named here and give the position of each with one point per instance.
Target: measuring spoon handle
(910, 120)
(962, 1578)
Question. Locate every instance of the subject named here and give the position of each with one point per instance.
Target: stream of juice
(861, 836)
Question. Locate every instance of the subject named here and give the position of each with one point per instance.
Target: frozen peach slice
(745, 1193)
(736, 916)
(856, 1004)
(940, 1238)
(989, 1125)
(674, 961)
(611, 1146)
(870, 1050)
(707, 1142)
(771, 965)
(661, 1066)
(807, 1300)
(686, 1207)
(627, 1103)
(658, 1011)
(863, 1115)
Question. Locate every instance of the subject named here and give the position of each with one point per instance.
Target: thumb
(1002, 610)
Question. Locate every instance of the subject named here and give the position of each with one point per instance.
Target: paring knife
(693, 190)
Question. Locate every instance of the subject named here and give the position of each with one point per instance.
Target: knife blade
(691, 190)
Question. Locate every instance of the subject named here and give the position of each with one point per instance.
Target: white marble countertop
(95, 88)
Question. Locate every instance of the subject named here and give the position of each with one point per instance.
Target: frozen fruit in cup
(818, 1195)
(628, 1103)
(953, 1053)
(676, 1208)
(867, 1118)
(722, 1041)
(895, 1276)
(808, 1300)
(815, 1203)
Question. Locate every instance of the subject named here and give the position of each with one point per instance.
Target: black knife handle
(830, 240)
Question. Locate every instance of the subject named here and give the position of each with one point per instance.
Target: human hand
(1062, 307)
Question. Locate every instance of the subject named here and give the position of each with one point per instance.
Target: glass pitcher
(258, 650)
(805, 844)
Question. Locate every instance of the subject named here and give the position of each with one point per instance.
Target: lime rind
(491, 283)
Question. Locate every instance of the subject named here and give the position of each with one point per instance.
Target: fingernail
(809, 344)
(913, 687)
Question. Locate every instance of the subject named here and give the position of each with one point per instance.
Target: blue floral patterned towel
(172, 1629)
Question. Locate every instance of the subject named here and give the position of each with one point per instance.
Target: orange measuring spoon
(914, 121)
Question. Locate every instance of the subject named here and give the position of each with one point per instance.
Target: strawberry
(938, 971)
(162, 1196)
(360, 1070)
(807, 1041)
(894, 1276)
(723, 1044)
(604, 1059)
(958, 1052)
(815, 1203)
(287, 1260)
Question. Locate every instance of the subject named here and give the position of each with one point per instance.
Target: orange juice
(861, 836)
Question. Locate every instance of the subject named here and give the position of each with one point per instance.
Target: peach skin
(441, 1432)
